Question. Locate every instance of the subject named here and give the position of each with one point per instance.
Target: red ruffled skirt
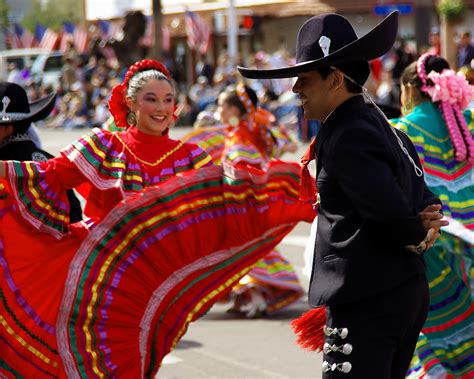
(114, 301)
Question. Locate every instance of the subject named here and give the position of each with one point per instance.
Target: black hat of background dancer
(15, 107)
(330, 40)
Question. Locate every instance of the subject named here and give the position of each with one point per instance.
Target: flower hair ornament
(453, 93)
(259, 119)
(117, 104)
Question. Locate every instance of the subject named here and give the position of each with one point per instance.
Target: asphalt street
(220, 345)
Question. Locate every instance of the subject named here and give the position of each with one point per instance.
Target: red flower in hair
(117, 105)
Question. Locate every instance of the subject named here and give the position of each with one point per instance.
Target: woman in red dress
(111, 296)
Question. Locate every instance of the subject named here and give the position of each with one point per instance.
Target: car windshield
(46, 63)
(19, 62)
(53, 64)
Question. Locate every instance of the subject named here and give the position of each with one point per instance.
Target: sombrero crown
(330, 40)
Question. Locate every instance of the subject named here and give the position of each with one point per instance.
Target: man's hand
(432, 218)
(431, 238)
(432, 221)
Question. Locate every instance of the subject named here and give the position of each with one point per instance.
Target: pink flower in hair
(453, 93)
(451, 87)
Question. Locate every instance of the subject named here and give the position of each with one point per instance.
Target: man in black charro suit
(376, 217)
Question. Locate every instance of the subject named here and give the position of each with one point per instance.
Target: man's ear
(337, 79)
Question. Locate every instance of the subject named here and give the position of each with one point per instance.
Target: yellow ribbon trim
(25, 344)
(125, 242)
(158, 161)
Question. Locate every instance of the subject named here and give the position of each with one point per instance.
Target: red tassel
(307, 182)
(307, 185)
(309, 329)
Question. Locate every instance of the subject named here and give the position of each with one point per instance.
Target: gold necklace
(159, 160)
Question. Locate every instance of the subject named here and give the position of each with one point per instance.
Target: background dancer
(433, 99)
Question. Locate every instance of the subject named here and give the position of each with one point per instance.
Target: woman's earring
(131, 119)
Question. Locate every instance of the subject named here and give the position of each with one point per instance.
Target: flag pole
(232, 34)
(83, 13)
(156, 52)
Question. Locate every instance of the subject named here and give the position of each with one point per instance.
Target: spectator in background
(101, 110)
(204, 68)
(14, 74)
(90, 67)
(403, 57)
(186, 111)
(434, 40)
(224, 72)
(68, 73)
(465, 50)
(201, 93)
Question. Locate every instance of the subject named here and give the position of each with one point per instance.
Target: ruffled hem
(42, 203)
(108, 163)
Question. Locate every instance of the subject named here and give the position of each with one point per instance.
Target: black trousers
(375, 338)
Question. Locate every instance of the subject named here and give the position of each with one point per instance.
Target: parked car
(23, 59)
(47, 69)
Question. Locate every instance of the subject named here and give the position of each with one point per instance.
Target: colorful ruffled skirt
(275, 279)
(445, 348)
(111, 300)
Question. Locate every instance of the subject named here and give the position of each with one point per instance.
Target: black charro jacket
(370, 198)
(20, 147)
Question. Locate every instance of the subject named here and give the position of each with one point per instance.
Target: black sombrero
(330, 40)
(15, 107)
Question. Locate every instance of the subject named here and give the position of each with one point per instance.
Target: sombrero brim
(39, 110)
(372, 45)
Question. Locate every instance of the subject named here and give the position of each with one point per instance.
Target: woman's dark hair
(232, 99)
(410, 74)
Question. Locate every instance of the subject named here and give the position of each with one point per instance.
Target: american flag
(149, 38)
(109, 30)
(80, 39)
(199, 33)
(28, 39)
(77, 35)
(46, 38)
(14, 38)
(8, 36)
(22, 37)
(67, 37)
